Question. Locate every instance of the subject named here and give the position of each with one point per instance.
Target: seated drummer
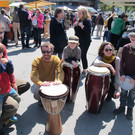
(44, 69)
(107, 59)
(9, 98)
(72, 52)
(127, 68)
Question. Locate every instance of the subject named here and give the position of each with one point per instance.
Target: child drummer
(72, 52)
(127, 68)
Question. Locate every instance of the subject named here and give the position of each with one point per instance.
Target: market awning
(39, 3)
(4, 3)
(16, 4)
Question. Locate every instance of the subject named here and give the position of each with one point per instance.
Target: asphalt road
(75, 118)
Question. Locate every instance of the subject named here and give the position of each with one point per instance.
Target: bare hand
(112, 69)
(132, 81)
(4, 60)
(75, 24)
(45, 83)
(81, 25)
(75, 64)
(116, 94)
(56, 83)
(122, 78)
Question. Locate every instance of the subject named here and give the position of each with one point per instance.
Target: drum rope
(101, 93)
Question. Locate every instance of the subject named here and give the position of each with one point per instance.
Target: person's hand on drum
(122, 78)
(116, 94)
(56, 83)
(75, 64)
(132, 81)
(45, 83)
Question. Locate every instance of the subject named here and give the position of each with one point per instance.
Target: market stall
(39, 3)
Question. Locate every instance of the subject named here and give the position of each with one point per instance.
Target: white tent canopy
(67, 8)
(16, 4)
(90, 9)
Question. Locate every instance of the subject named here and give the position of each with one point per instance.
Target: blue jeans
(26, 29)
(127, 98)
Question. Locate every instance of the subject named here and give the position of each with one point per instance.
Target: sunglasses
(46, 51)
(108, 50)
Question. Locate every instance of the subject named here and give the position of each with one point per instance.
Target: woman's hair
(40, 11)
(102, 46)
(1, 48)
(85, 13)
(57, 11)
(48, 45)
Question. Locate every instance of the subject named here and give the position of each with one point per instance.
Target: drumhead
(53, 91)
(99, 70)
(126, 85)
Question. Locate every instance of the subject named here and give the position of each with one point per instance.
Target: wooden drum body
(53, 99)
(71, 79)
(96, 87)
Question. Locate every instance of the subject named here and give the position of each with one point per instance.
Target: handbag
(34, 22)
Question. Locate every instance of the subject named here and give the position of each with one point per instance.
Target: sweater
(118, 27)
(45, 71)
(127, 65)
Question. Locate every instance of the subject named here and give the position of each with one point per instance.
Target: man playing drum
(127, 68)
(44, 69)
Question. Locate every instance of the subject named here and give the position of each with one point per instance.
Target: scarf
(108, 59)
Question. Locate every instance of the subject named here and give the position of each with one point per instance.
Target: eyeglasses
(1, 32)
(108, 50)
(46, 51)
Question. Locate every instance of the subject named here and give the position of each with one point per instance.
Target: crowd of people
(72, 50)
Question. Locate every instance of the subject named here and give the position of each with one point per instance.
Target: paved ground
(75, 119)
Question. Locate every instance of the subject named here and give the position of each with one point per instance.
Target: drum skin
(95, 93)
(72, 81)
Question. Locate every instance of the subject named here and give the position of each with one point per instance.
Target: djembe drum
(53, 98)
(71, 79)
(96, 87)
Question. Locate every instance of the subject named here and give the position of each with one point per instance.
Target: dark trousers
(105, 35)
(93, 28)
(26, 29)
(5, 41)
(114, 39)
(37, 35)
(84, 48)
(10, 106)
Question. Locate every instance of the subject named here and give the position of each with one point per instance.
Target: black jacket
(84, 34)
(57, 35)
(23, 17)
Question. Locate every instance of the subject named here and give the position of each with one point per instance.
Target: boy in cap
(72, 52)
(127, 68)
